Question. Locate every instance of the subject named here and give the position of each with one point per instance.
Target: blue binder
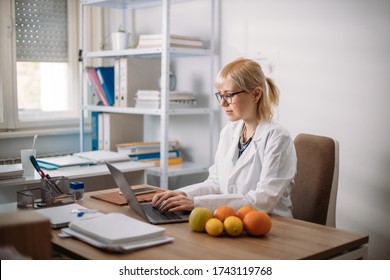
(106, 77)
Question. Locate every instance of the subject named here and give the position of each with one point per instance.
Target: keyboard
(156, 214)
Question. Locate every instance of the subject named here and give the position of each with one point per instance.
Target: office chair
(316, 182)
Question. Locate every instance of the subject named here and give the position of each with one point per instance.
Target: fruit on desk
(233, 226)
(244, 210)
(214, 227)
(257, 223)
(224, 211)
(198, 218)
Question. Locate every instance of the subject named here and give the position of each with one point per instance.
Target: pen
(81, 212)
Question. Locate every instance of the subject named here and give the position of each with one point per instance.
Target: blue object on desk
(77, 189)
(48, 166)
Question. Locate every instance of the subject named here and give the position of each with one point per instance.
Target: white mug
(26, 162)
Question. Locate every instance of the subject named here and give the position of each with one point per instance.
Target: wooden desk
(288, 239)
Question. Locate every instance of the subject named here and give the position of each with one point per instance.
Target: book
(172, 36)
(95, 131)
(149, 156)
(100, 131)
(61, 216)
(102, 156)
(173, 42)
(117, 232)
(136, 148)
(93, 96)
(179, 41)
(106, 78)
(156, 95)
(156, 104)
(9, 171)
(172, 45)
(117, 102)
(63, 161)
(171, 161)
(97, 85)
(152, 99)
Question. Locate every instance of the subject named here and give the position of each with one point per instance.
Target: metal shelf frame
(166, 53)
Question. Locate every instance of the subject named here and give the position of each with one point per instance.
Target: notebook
(143, 192)
(8, 171)
(61, 216)
(117, 232)
(144, 209)
(100, 156)
(63, 161)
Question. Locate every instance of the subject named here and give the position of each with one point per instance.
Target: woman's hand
(173, 201)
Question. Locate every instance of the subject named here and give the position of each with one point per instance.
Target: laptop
(145, 209)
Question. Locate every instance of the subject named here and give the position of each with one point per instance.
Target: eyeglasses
(227, 97)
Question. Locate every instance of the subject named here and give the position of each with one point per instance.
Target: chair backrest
(316, 182)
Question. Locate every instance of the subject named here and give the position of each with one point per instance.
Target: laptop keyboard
(158, 215)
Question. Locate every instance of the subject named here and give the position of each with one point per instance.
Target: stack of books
(10, 171)
(150, 152)
(176, 41)
(152, 99)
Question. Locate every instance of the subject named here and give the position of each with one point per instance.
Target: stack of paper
(179, 41)
(150, 152)
(9, 171)
(101, 156)
(117, 232)
(63, 161)
(82, 158)
(152, 99)
(61, 216)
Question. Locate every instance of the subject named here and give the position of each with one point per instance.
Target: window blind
(41, 30)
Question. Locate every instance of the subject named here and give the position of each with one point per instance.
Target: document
(9, 171)
(101, 156)
(63, 161)
(117, 232)
(61, 216)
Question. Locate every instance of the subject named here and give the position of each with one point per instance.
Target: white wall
(332, 62)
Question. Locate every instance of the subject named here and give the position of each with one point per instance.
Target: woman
(255, 162)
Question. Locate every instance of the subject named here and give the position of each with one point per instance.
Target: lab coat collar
(250, 151)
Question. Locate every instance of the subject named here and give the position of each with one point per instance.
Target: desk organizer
(54, 191)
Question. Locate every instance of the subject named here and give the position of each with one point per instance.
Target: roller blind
(41, 30)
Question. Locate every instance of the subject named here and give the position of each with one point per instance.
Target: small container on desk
(77, 190)
(53, 192)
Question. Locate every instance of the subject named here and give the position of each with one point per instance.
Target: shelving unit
(166, 54)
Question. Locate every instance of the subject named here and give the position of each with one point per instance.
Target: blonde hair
(247, 75)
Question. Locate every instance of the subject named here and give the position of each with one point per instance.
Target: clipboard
(146, 194)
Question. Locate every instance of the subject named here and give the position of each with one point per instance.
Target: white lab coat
(263, 176)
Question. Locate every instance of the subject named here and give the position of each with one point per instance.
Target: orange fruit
(222, 212)
(257, 223)
(198, 218)
(214, 227)
(244, 210)
(233, 226)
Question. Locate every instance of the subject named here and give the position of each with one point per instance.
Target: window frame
(8, 79)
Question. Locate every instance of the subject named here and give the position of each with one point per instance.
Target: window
(40, 86)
